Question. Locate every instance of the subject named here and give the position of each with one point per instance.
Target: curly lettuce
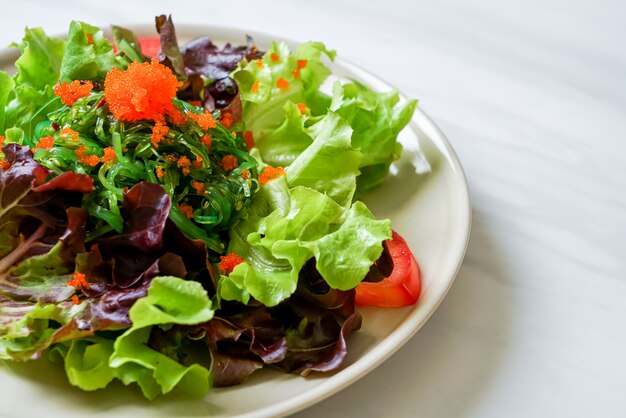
(38, 69)
(94, 362)
(306, 214)
(284, 121)
(88, 54)
(263, 97)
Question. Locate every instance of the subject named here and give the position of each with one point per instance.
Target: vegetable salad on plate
(179, 216)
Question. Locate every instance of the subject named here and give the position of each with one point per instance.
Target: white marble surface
(532, 95)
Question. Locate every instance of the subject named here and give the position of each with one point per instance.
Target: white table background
(532, 95)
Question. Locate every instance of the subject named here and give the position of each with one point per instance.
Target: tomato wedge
(150, 46)
(402, 287)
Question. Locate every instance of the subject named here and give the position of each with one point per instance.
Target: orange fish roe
(142, 92)
(259, 63)
(109, 155)
(204, 120)
(160, 173)
(245, 174)
(249, 138)
(226, 119)
(255, 87)
(69, 133)
(196, 103)
(300, 65)
(207, 140)
(281, 83)
(170, 158)
(229, 262)
(158, 133)
(46, 142)
(302, 108)
(197, 163)
(229, 162)
(89, 39)
(270, 173)
(177, 117)
(70, 92)
(198, 186)
(184, 163)
(275, 57)
(2, 139)
(186, 209)
(90, 160)
(80, 151)
(75, 300)
(5, 165)
(78, 280)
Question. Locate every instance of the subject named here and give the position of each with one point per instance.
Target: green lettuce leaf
(26, 329)
(155, 373)
(34, 311)
(40, 59)
(127, 43)
(92, 361)
(170, 300)
(279, 147)
(41, 278)
(6, 87)
(14, 135)
(376, 120)
(344, 256)
(273, 196)
(87, 363)
(88, 54)
(263, 110)
(306, 214)
(38, 71)
(281, 132)
(329, 165)
(288, 226)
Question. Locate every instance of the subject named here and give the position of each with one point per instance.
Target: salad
(180, 216)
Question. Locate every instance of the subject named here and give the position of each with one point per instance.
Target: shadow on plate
(409, 176)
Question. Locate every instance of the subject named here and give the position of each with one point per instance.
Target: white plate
(431, 211)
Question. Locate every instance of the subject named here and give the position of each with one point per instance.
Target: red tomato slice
(402, 287)
(150, 46)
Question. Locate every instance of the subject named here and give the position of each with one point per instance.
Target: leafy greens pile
(112, 229)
